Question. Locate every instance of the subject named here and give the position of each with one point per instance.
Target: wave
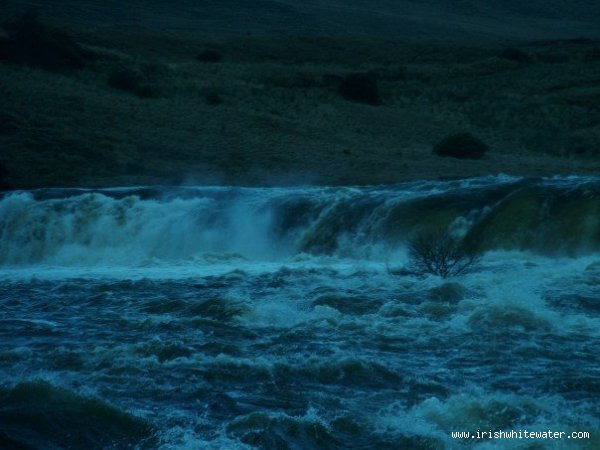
(39, 415)
(149, 225)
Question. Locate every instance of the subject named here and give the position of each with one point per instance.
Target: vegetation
(36, 45)
(286, 118)
(132, 82)
(360, 88)
(461, 146)
(3, 174)
(441, 254)
(213, 98)
(514, 54)
(210, 56)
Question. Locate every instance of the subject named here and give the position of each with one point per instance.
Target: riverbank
(153, 106)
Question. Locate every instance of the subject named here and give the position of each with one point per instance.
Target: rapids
(284, 318)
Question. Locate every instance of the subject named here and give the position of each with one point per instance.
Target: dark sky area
(532, 19)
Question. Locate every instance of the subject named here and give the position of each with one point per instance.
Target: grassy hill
(535, 19)
(138, 104)
(145, 108)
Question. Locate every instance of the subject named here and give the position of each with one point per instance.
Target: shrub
(461, 146)
(6, 49)
(555, 57)
(213, 98)
(331, 79)
(360, 88)
(209, 56)
(441, 254)
(514, 54)
(592, 55)
(31, 43)
(132, 82)
(3, 174)
(9, 123)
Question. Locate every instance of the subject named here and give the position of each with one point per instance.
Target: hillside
(510, 19)
(147, 105)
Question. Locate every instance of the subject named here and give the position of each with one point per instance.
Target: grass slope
(534, 19)
(270, 111)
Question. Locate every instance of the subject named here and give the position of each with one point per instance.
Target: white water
(205, 311)
(119, 228)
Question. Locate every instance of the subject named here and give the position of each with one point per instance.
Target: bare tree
(441, 254)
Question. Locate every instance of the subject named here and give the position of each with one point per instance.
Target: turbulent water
(288, 318)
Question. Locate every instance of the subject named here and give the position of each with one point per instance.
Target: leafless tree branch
(441, 254)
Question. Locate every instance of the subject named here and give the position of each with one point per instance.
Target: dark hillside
(428, 18)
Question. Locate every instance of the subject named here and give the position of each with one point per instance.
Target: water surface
(279, 318)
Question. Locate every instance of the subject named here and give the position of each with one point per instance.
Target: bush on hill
(133, 82)
(461, 146)
(515, 54)
(360, 88)
(31, 43)
(213, 98)
(3, 174)
(209, 56)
